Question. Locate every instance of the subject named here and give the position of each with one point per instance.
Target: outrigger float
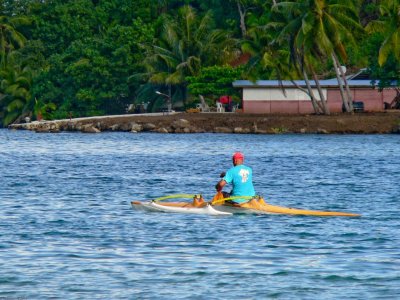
(225, 206)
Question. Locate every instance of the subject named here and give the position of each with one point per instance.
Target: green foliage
(214, 81)
(389, 25)
(10, 38)
(89, 77)
(93, 57)
(15, 7)
(319, 28)
(315, 32)
(43, 110)
(383, 44)
(279, 130)
(386, 75)
(15, 73)
(184, 45)
(57, 24)
(15, 87)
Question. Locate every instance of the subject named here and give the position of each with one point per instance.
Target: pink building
(268, 96)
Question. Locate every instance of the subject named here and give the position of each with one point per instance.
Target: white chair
(220, 107)
(130, 108)
(203, 106)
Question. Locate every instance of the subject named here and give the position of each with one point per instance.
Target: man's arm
(220, 185)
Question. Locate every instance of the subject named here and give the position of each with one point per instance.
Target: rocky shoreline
(362, 123)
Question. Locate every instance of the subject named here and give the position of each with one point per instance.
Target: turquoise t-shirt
(241, 178)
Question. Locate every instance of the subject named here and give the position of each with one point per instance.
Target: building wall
(273, 100)
(388, 95)
(372, 98)
(334, 101)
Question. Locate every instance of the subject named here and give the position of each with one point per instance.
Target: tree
(389, 26)
(91, 50)
(214, 81)
(185, 44)
(91, 76)
(15, 76)
(386, 75)
(268, 59)
(319, 30)
(15, 86)
(10, 37)
(16, 7)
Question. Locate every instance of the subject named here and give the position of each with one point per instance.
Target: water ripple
(67, 230)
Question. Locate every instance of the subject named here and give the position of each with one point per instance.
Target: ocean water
(67, 230)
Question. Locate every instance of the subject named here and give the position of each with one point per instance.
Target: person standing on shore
(241, 178)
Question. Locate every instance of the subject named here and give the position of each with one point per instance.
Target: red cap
(238, 155)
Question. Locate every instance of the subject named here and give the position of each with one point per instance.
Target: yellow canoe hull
(274, 209)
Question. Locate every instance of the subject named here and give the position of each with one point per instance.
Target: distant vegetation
(83, 58)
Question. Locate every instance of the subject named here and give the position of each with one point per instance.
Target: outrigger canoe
(220, 206)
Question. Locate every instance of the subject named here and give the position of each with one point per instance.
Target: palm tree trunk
(311, 93)
(342, 94)
(308, 91)
(325, 107)
(300, 65)
(242, 14)
(348, 92)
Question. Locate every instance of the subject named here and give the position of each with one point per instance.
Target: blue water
(67, 230)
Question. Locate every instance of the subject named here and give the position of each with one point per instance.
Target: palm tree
(272, 59)
(258, 45)
(389, 26)
(15, 79)
(318, 29)
(185, 45)
(15, 88)
(10, 37)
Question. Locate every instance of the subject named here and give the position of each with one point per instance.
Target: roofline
(302, 83)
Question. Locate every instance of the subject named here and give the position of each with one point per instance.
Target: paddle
(174, 196)
(216, 200)
(189, 196)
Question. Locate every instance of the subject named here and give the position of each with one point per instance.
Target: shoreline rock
(238, 123)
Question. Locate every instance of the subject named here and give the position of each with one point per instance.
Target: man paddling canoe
(241, 178)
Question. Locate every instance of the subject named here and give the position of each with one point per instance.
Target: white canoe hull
(153, 206)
